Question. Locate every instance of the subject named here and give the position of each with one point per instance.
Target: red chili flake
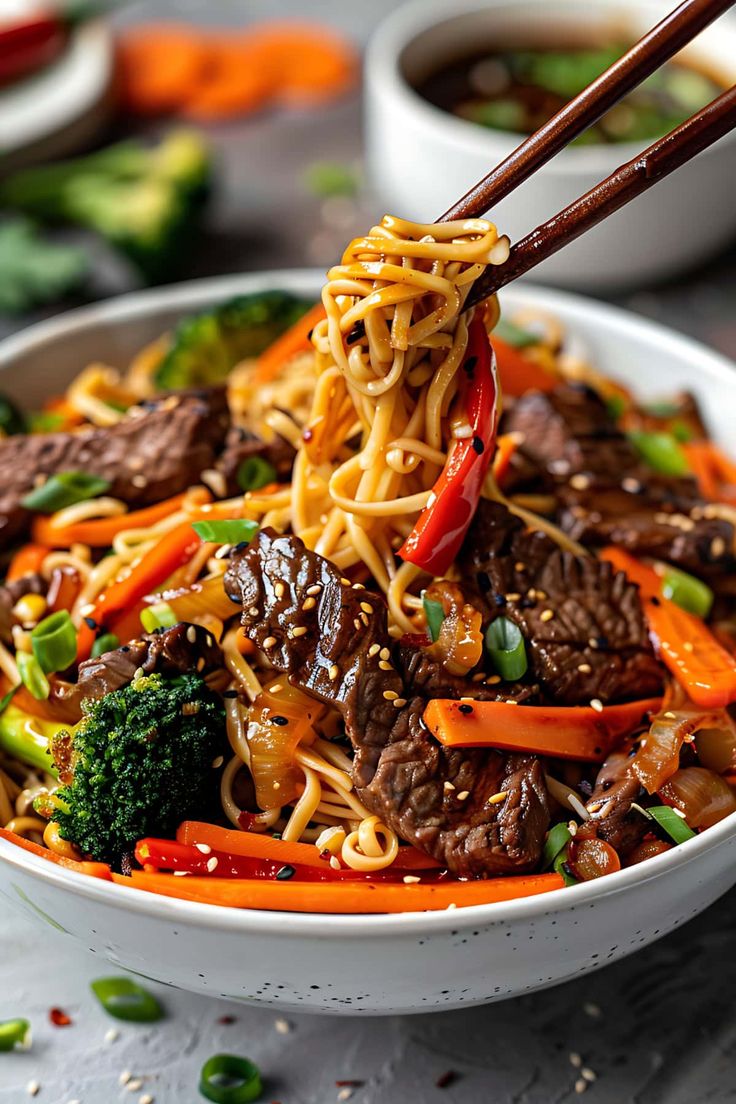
(446, 1079)
(349, 1084)
(59, 1017)
(227, 1020)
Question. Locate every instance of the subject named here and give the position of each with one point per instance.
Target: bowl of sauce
(452, 90)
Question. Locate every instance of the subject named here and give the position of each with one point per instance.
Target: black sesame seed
(499, 599)
(91, 624)
(230, 694)
(279, 720)
(602, 641)
(484, 583)
(655, 600)
(357, 332)
(478, 445)
(285, 873)
(465, 708)
(470, 365)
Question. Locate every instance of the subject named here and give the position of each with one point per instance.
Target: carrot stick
(506, 446)
(685, 643)
(236, 81)
(158, 66)
(258, 846)
(26, 561)
(516, 372)
(100, 532)
(93, 869)
(562, 732)
(347, 897)
(294, 341)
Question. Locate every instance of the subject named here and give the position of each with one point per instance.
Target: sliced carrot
(237, 80)
(698, 457)
(516, 372)
(311, 63)
(26, 561)
(100, 532)
(698, 661)
(347, 897)
(506, 446)
(158, 65)
(295, 340)
(561, 732)
(92, 869)
(258, 846)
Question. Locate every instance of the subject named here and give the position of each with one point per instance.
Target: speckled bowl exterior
(373, 964)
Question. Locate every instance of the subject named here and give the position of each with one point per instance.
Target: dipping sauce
(519, 89)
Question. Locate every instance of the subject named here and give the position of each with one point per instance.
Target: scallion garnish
(158, 616)
(687, 592)
(54, 642)
(230, 531)
(6, 699)
(505, 645)
(64, 489)
(125, 999)
(616, 406)
(515, 335)
(229, 1079)
(671, 822)
(560, 867)
(108, 642)
(661, 451)
(434, 615)
(254, 473)
(32, 676)
(557, 839)
(15, 1035)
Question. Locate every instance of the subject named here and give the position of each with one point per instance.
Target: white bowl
(373, 964)
(422, 159)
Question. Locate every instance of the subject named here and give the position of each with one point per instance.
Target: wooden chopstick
(626, 183)
(647, 55)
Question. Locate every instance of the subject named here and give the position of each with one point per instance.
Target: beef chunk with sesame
(585, 633)
(241, 445)
(339, 650)
(157, 450)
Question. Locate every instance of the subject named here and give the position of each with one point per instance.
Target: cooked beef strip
(159, 449)
(429, 677)
(241, 444)
(175, 651)
(610, 804)
(582, 622)
(605, 493)
(10, 593)
(399, 770)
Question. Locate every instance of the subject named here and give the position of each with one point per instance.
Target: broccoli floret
(139, 762)
(207, 346)
(146, 201)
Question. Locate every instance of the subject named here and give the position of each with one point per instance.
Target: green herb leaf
(231, 531)
(557, 839)
(125, 999)
(254, 473)
(32, 270)
(434, 615)
(64, 489)
(560, 867)
(671, 822)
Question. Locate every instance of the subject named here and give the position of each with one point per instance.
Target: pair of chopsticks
(629, 180)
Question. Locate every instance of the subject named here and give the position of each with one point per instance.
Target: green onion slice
(229, 1079)
(505, 645)
(15, 1035)
(661, 451)
(54, 642)
(671, 822)
(687, 592)
(108, 642)
(64, 489)
(616, 406)
(557, 839)
(32, 676)
(560, 867)
(232, 531)
(434, 614)
(515, 335)
(158, 616)
(125, 999)
(6, 699)
(254, 473)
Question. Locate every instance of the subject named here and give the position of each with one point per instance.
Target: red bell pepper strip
(436, 538)
(684, 642)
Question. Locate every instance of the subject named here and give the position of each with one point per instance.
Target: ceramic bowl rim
(317, 925)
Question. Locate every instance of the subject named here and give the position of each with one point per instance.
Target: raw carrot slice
(236, 81)
(312, 63)
(159, 64)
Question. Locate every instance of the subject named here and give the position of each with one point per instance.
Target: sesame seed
(277, 786)
(344, 581)
(279, 590)
(633, 486)
(374, 649)
(670, 716)
(203, 848)
(449, 786)
(134, 1085)
(345, 1094)
(112, 1035)
(192, 634)
(580, 1086)
(493, 680)
(299, 630)
(333, 672)
(411, 879)
(335, 862)
(546, 615)
(580, 482)
(390, 695)
(384, 665)
(283, 1027)
(366, 607)
(452, 905)
(85, 611)
(519, 566)
(212, 863)
(513, 597)
(145, 1099)
(541, 594)
(314, 589)
(575, 1060)
(592, 1010)
(597, 704)
(253, 611)
(463, 795)
(478, 677)
(497, 798)
(223, 551)
(688, 646)
(139, 481)
(588, 1074)
(357, 622)
(364, 619)
(584, 668)
(399, 703)
(126, 1075)
(717, 547)
(181, 873)
(309, 604)
(33, 1088)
